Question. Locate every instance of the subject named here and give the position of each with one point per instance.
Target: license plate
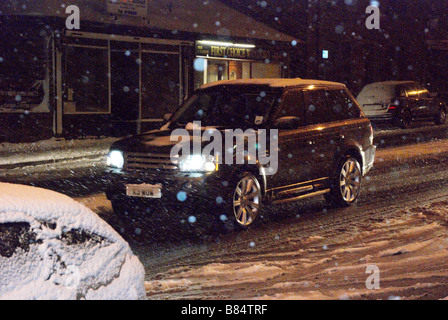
(375, 107)
(144, 190)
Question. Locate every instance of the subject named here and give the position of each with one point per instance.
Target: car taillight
(394, 103)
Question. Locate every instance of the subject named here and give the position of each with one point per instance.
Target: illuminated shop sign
(136, 8)
(231, 51)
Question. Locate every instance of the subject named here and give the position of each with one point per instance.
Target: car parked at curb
(401, 103)
(325, 147)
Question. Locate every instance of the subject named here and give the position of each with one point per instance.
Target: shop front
(217, 61)
(130, 81)
(120, 73)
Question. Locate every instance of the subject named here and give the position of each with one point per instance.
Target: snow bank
(66, 252)
(53, 149)
(409, 247)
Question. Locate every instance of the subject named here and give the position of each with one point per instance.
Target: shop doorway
(145, 86)
(160, 84)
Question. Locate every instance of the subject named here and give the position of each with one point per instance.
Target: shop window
(266, 70)
(210, 70)
(246, 70)
(239, 70)
(217, 70)
(235, 70)
(24, 62)
(200, 66)
(87, 81)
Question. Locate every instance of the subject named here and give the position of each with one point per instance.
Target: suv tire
(406, 119)
(441, 117)
(345, 186)
(245, 201)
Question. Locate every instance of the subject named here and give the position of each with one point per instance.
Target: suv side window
(235, 109)
(423, 93)
(316, 107)
(412, 91)
(342, 106)
(400, 91)
(292, 105)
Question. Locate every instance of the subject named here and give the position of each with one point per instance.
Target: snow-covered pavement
(410, 253)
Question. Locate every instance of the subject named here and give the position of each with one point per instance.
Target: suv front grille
(134, 161)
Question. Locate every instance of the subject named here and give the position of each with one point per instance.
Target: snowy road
(309, 251)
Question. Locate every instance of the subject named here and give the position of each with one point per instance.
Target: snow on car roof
(51, 269)
(20, 203)
(272, 82)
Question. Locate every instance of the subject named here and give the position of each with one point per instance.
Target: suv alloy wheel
(406, 119)
(246, 200)
(346, 184)
(441, 117)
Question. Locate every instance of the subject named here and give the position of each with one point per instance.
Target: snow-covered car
(401, 102)
(52, 247)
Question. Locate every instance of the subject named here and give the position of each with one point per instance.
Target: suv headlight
(197, 163)
(115, 159)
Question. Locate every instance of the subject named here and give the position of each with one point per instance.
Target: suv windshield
(226, 108)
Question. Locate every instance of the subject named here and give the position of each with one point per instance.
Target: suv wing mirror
(287, 123)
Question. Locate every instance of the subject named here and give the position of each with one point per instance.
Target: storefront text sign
(232, 52)
(136, 8)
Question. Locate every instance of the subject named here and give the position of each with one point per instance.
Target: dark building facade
(129, 63)
(411, 43)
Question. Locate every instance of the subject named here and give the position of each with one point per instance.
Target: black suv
(401, 102)
(323, 146)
